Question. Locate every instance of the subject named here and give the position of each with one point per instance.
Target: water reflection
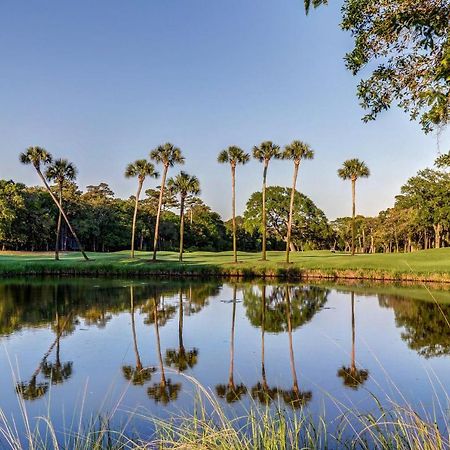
(231, 391)
(165, 391)
(137, 375)
(180, 358)
(352, 376)
(164, 342)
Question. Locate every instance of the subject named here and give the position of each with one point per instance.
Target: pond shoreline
(425, 266)
(181, 271)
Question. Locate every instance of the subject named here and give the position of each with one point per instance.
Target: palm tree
(352, 376)
(168, 155)
(38, 156)
(140, 169)
(233, 155)
(352, 169)
(184, 185)
(296, 151)
(60, 171)
(264, 153)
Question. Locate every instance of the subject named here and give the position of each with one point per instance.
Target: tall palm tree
(140, 169)
(352, 376)
(60, 171)
(168, 155)
(38, 157)
(296, 151)
(352, 169)
(233, 155)
(184, 185)
(264, 153)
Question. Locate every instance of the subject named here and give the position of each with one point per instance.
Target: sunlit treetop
(406, 45)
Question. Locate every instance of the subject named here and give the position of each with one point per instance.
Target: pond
(76, 348)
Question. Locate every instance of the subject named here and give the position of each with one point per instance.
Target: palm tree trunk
(353, 214)
(58, 227)
(158, 343)
(291, 347)
(233, 200)
(181, 226)
(291, 211)
(61, 210)
(136, 205)
(133, 330)
(231, 373)
(158, 214)
(264, 215)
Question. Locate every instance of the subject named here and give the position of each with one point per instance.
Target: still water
(79, 347)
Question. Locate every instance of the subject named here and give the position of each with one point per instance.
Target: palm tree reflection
(181, 359)
(352, 376)
(261, 389)
(293, 397)
(137, 375)
(165, 391)
(57, 372)
(231, 392)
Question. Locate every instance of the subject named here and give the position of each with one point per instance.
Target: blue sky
(104, 82)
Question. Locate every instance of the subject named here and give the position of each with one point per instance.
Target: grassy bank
(262, 428)
(428, 265)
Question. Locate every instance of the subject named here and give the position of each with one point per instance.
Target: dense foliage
(406, 45)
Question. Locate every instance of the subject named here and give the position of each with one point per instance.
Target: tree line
(172, 216)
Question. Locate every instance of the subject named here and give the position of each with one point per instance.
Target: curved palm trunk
(233, 321)
(136, 205)
(233, 201)
(353, 365)
(264, 213)
(263, 325)
(158, 343)
(61, 210)
(182, 201)
(291, 347)
(133, 330)
(158, 214)
(291, 211)
(353, 214)
(58, 227)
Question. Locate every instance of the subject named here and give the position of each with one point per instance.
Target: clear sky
(103, 82)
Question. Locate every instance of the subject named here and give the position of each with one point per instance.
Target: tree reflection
(137, 375)
(425, 324)
(261, 389)
(165, 391)
(232, 392)
(293, 397)
(180, 358)
(352, 376)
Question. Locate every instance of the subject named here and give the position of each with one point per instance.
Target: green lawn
(430, 265)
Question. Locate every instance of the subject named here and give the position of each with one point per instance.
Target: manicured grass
(427, 265)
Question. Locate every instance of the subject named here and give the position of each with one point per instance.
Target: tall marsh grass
(261, 428)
